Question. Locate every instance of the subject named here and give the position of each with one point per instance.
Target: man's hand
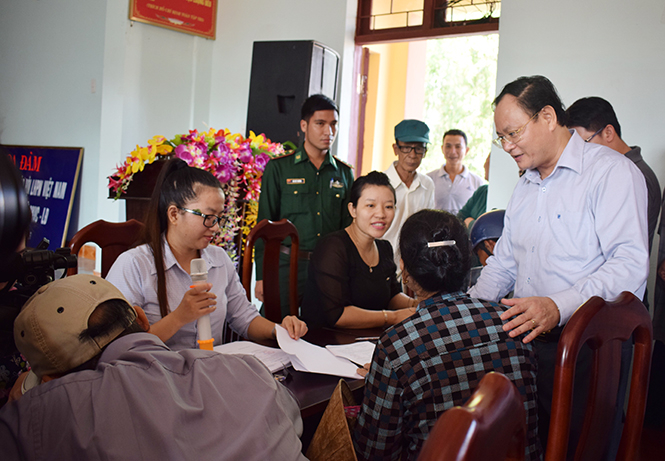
(258, 290)
(536, 313)
(294, 326)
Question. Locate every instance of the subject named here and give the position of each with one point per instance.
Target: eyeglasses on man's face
(417, 150)
(209, 220)
(514, 136)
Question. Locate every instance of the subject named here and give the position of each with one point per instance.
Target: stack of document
(315, 359)
(342, 360)
(274, 359)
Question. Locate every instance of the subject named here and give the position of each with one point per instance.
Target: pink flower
(221, 151)
(114, 184)
(224, 173)
(261, 161)
(184, 152)
(245, 153)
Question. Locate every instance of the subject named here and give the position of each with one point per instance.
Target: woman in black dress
(352, 281)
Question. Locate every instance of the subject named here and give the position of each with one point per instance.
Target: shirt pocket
(297, 199)
(571, 232)
(335, 201)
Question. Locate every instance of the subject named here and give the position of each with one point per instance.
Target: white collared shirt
(578, 233)
(135, 275)
(419, 196)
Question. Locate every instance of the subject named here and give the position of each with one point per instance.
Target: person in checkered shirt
(434, 359)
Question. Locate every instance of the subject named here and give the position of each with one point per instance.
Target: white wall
(606, 48)
(601, 48)
(148, 80)
(240, 23)
(50, 52)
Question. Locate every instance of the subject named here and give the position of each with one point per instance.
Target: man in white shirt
(575, 227)
(414, 191)
(454, 184)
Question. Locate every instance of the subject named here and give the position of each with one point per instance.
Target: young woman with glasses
(184, 215)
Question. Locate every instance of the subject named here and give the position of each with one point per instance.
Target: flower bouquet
(237, 162)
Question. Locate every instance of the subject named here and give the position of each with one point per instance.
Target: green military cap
(412, 131)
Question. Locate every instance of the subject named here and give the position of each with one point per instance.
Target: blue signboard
(50, 177)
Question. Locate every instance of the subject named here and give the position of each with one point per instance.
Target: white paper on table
(314, 359)
(360, 352)
(273, 358)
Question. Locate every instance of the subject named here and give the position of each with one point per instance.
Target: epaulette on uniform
(284, 155)
(343, 162)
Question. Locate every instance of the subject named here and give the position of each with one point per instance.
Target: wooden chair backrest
(490, 426)
(273, 233)
(112, 238)
(603, 325)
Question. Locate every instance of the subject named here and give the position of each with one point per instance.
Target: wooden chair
(273, 233)
(490, 426)
(602, 325)
(113, 239)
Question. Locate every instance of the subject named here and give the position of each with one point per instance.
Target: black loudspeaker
(284, 74)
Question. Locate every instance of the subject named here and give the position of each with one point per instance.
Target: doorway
(446, 82)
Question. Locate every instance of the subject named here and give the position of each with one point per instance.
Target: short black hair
(592, 114)
(533, 93)
(438, 269)
(455, 132)
(108, 316)
(314, 103)
(373, 178)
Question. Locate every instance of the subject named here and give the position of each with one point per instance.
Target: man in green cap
(310, 188)
(414, 191)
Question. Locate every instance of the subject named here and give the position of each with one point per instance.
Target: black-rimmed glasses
(418, 150)
(209, 220)
(594, 135)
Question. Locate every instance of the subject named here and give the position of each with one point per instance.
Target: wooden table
(313, 390)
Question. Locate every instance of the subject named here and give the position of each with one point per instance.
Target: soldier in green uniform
(310, 188)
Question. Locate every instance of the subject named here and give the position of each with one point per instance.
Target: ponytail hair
(436, 269)
(176, 185)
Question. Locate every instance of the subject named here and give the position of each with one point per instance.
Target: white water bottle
(199, 272)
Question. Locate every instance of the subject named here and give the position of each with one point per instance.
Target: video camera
(30, 269)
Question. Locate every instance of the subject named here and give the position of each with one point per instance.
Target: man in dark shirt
(595, 121)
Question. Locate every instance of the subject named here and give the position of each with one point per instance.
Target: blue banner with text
(50, 177)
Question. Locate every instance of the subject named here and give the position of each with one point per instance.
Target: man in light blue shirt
(454, 184)
(575, 226)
